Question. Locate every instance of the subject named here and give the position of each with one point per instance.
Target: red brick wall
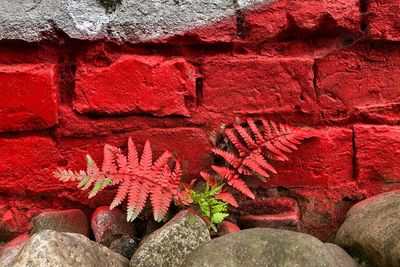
(333, 65)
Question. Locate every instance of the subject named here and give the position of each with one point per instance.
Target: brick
(276, 20)
(26, 165)
(28, 97)
(323, 161)
(348, 81)
(378, 153)
(135, 85)
(384, 19)
(260, 84)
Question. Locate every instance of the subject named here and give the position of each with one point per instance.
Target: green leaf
(218, 217)
(99, 186)
(84, 182)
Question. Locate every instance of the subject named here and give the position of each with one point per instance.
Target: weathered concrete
(129, 20)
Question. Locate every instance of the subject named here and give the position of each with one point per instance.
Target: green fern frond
(100, 185)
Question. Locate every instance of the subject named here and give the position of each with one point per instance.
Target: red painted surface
(312, 63)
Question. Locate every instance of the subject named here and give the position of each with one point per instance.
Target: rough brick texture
(384, 19)
(77, 75)
(135, 85)
(28, 97)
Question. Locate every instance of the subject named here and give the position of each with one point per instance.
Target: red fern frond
(227, 156)
(161, 196)
(246, 137)
(133, 159)
(146, 160)
(252, 149)
(253, 127)
(136, 180)
(235, 141)
(228, 198)
(122, 192)
(109, 165)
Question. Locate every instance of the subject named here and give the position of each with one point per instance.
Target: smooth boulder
(10, 250)
(371, 231)
(262, 247)
(109, 225)
(169, 245)
(49, 248)
(70, 221)
(342, 258)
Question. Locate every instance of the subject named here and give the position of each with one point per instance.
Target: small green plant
(214, 209)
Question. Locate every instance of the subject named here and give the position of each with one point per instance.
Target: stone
(28, 99)
(314, 163)
(342, 258)
(71, 221)
(249, 84)
(277, 20)
(378, 153)
(274, 212)
(359, 81)
(125, 246)
(135, 85)
(371, 232)
(11, 249)
(27, 163)
(130, 20)
(287, 221)
(383, 19)
(50, 248)
(169, 245)
(262, 247)
(227, 227)
(110, 225)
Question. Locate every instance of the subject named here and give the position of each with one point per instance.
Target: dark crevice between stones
(26, 133)
(240, 21)
(354, 161)
(364, 15)
(66, 71)
(199, 92)
(315, 78)
(109, 5)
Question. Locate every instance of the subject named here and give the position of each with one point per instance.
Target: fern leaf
(253, 165)
(246, 137)
(175, 178)
(133, 199)
(224, 172)
(219, 217)
(146, 160)
(254, 148)
(133, 159)
(236, 142)
(136, 179)
(241, 186)
(109, 161)
(229, 157)
(228, 198)
(262, 162)
(253, 127)
(159, 193)
(160, 163)
(122, 162)
(279, 155)
(100, 185)
(122, 192)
